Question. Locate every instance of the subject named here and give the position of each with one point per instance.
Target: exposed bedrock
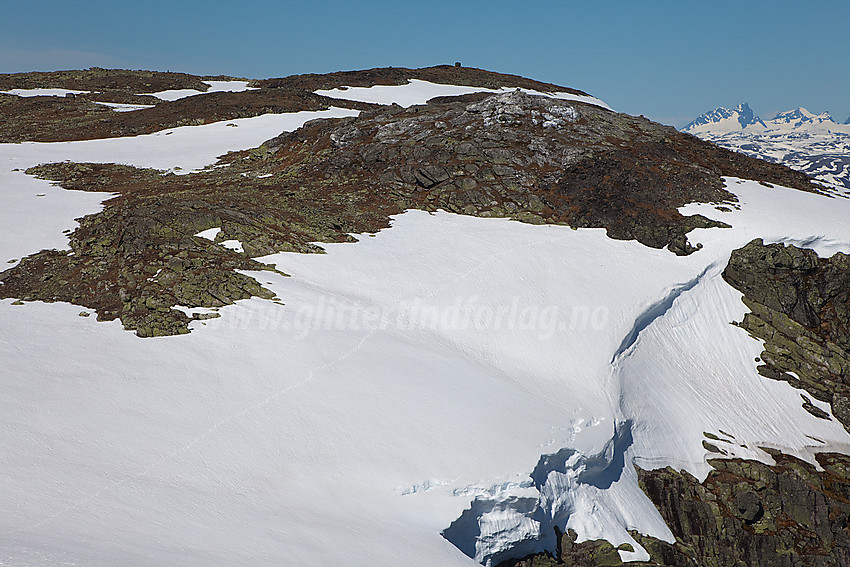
(800, 307)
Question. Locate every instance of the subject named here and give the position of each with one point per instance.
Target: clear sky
(668, 60)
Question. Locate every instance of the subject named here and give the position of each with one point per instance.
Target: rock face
(746, 513)
(800, 307)
(749, 513)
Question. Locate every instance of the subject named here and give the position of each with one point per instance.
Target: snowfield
(43, 92)
(418, 396)
(215, 87)
(420, 92)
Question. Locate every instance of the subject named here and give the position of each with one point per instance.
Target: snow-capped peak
(801, 116)
(724, 120)
(746, 116)
(809, 142)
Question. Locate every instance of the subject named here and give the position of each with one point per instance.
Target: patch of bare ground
(443, 74)
(98, 79)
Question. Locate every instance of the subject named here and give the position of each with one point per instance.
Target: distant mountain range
(812, 143)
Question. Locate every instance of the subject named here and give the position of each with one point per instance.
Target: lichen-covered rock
(744, 514)
(585, 554)
(750, 513)
(800, 306)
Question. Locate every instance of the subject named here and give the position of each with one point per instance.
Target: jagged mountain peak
(809, 142)
(746, 116)
(800, 116)
(722, 119)
(744, 109)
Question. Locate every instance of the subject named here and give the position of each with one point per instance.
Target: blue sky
(667, 60)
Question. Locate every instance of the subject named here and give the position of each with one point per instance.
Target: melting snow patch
(210, 233)
(215, 87)
(121, 107)
(234, 245)
(43, 92)
(420, 92)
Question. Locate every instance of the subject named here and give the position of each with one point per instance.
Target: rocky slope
(84, 117)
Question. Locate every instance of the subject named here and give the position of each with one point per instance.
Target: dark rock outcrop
(750, 513)
(745, 513)
(800, 307)
(594, 553)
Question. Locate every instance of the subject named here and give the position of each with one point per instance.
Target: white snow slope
(449, 375)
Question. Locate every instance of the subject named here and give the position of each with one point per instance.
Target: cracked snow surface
(445, 392)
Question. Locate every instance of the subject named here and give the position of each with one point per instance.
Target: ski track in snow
(300, 474)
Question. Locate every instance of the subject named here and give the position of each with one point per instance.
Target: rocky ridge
(81, 117)
(106, 80)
